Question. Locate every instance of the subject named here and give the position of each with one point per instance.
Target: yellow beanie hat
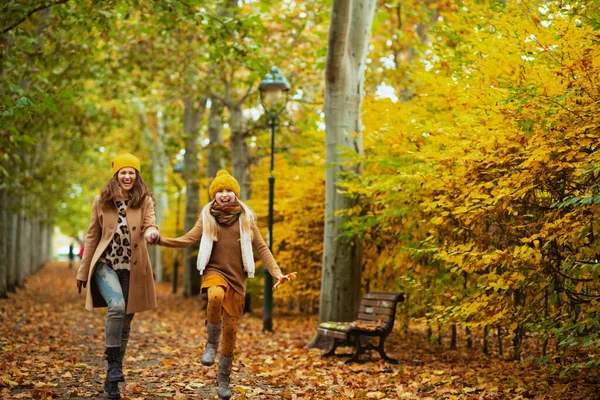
(224, 181)
(125, 160)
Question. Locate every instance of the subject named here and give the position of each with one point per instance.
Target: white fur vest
(206, 246)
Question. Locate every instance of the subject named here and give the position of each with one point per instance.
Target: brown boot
(225, 365)
(212, 343)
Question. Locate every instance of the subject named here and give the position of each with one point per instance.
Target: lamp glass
(273, 97)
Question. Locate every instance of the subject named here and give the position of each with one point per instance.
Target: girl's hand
(81, 284)
(152, 237)
(281, 279)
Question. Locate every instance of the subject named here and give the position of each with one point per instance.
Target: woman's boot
(111, 390)
(225, 364)
(114, 372)
(212, 343)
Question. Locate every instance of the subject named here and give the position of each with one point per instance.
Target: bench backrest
(379, 307)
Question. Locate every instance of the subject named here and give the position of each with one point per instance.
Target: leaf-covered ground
(52, 348)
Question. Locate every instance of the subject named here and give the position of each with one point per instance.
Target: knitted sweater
(226, 255)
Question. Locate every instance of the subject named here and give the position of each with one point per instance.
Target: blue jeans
(114, 287)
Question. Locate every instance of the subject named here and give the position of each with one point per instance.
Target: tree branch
(30, 13)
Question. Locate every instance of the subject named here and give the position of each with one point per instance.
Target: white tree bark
(159, 173)
(193, 112)
(216, 150)
(159, 181)
(349, 34)
(240, 154)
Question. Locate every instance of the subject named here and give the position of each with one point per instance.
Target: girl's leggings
(216, 313)
(114, 287)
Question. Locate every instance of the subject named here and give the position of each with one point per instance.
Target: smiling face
(126, 177)
(224, 196)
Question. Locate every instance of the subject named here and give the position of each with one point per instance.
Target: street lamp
(274, 90)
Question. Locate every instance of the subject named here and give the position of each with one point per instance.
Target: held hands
(152, 236)
(81, 284)
(281, 279)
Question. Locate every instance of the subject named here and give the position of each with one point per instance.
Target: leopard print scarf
(226, 214)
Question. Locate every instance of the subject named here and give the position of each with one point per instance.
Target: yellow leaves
(437, 220)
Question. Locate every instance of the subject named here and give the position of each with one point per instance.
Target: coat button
(135, 246)
(133, 228)
(135, 263)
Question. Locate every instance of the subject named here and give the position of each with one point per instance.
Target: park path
(51, 348)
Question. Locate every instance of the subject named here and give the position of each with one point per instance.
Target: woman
(116, 261)
(227, 232)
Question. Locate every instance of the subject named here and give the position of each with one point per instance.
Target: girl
(227, 232)
(116, 261)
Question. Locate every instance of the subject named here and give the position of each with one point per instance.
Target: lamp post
(274, 90)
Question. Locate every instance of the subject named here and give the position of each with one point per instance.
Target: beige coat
(142, 294)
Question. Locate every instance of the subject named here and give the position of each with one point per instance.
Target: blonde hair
(212, 228)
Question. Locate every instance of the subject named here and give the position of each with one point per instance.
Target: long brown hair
(137, 195)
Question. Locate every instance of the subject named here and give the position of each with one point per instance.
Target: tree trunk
(500, 346)
(349, 35)
(159, 181)
(22, 246)
(240, 155)
(453, 338)
(216, 150)
(193, 112)
(3, 243)
(33, 251)
(49, 236)
(519, 330)
(469, 338)
(12, 238)
(486, 348)
(159, 174)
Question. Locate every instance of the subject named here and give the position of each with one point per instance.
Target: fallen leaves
(61, 357)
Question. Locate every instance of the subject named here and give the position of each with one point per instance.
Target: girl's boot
(225, 364)
(212, 343)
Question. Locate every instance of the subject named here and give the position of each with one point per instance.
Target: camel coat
(142, 294)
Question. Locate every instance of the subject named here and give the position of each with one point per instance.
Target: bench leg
(381, 351)
(331, 350)
(358, 350)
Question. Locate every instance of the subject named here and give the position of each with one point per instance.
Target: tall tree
(215, 150)
(349, 34)
(194, 109)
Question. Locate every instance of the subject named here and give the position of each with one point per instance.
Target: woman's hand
(152, 236)
(281, 279)
(81, 284)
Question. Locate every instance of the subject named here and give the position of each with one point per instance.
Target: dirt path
(52, 348)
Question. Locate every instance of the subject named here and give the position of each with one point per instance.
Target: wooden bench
(376, 316)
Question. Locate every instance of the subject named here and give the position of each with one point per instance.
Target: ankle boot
(212, 343)
(114, 371)
(225, 364)
(111, 390)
